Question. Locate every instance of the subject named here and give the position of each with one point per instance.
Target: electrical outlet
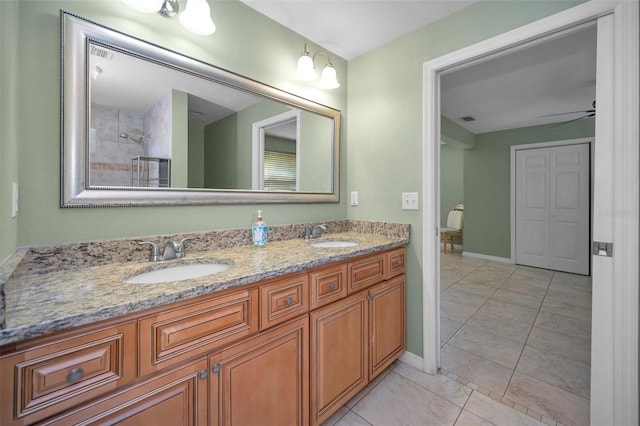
(354, 198)
(14, 199)
(410, 201)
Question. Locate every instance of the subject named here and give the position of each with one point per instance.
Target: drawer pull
(399, 263)
(332, 286)
(75, 375)
(289, 301)
(216, 368)
(203, 374)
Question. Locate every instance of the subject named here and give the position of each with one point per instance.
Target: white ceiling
(350, 28)
(505, 93)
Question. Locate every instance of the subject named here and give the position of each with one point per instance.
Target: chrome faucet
(314, 231)
(172, 250)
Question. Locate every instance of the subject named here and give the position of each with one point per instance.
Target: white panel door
(552, 208)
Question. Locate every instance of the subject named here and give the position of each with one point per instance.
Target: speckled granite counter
(55, 288)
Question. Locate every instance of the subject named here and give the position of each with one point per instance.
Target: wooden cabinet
(175, 335)
(339, 354)
(285, 351)
(387, 323)
(283, 299)
(263, 380)
(328, 285)
(48, 379)
(366, 271)
(177, 397)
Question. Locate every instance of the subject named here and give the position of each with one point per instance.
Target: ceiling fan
(588, 113)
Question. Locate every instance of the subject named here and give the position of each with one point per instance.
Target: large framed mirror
(146, 126)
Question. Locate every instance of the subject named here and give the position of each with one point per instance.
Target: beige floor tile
(453, 294)
(335, 417)
(570, 298)
(353, 401)
(467, 418)
(527, 271)
(497, 413)
(573, 282)
(565, 373)
(475, 289)
(448, 328)
(528, 286)
(455, 311)
(550, 401)
(576, 348)
(507, 311)
(505, 295)
(473, 368)
(491, 346)
(562, 324)
(511, 329)
(441, 385)
(352, 419)
(565, 309)
(398, 401)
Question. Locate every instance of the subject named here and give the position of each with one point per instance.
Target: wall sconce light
(306, 70)
(196, 16)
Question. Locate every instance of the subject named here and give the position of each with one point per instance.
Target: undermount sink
(177, 273)
(333, 243)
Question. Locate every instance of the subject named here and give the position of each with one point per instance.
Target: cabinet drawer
(177, 335)
(283, 299)
(46, 380)
(328, 285)
(396, 262)
(366, 272)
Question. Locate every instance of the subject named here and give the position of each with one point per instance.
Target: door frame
(614, 372)
(551, 144)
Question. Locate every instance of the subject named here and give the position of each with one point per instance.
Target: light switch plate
(354, 198)
(410, 201)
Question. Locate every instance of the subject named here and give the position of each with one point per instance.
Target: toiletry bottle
(259, 231)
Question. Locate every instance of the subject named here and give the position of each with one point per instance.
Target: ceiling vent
(467, 118)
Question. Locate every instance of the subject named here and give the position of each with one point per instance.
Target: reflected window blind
(279, 171)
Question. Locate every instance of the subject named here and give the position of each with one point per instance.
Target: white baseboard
(412, 360)
(487, 257)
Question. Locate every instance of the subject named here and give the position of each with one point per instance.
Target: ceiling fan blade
(562, 123)
(565, 113)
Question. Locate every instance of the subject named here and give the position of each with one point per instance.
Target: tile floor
(516, 346)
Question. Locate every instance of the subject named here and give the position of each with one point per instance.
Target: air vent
(467, 118)
(101, 53)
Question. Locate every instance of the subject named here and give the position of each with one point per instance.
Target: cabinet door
(264, 380)
(339, 354)
(178, 398)
(387, 323)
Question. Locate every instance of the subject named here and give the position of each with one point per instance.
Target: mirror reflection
(156, 126)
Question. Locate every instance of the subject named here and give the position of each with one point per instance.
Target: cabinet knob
(399, 263)
(371, 296)
(289, 301)
(203, 374)
(332, 286)
(216, 368)
(75, 375)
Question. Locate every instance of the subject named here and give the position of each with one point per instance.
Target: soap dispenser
(259, 231)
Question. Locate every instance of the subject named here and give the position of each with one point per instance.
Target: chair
(454, 226)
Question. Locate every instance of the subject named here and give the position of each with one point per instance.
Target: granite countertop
(40, 302)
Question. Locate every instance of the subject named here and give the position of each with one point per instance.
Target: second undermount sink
(177, 273)
(333, 243)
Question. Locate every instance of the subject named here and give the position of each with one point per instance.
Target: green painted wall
(245, 42)
(179, 140)
(9, 135)
(451, 180)
(385, 121)
(221, 153)
(196, 156)
(487, 224)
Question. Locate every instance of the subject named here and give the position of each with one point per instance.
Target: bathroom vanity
(285, 336)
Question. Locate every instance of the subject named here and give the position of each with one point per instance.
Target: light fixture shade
(305, 70)
(329, 79)
(197, 17)
(146, 6)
